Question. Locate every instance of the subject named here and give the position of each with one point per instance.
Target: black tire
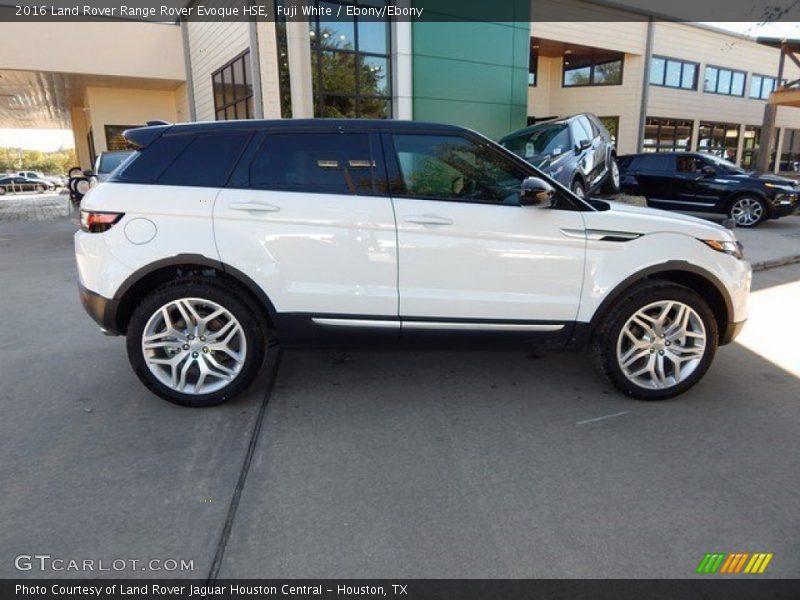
(578, 188)
(611, 183)
(604, 343)
(74, 172)
(746, 221)
(207, 289)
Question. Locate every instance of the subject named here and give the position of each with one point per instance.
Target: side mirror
(583, 145)
(708, 171)
(535, 191)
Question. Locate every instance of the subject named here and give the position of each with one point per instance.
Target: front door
(467, 250)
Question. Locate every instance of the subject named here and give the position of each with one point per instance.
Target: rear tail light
(98, 222)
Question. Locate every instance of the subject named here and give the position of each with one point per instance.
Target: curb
(775, 262)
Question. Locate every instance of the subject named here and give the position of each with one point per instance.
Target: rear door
(307, 217)
(653, 174)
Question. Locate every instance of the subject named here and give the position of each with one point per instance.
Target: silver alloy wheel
(747, 211)
(194, 346)
(661, 344)
(615, 173)
(577, 189)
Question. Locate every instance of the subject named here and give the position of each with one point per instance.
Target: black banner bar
(734, 588)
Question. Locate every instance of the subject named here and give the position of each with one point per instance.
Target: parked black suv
(705, 183)
(576, 151)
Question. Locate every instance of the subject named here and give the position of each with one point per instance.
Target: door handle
(254, 207)
(428, 220)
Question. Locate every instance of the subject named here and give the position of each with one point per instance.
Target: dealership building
(657, 85)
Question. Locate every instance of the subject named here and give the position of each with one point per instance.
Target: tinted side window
(690, 164)
(656, 162)
(334, 163)
(207, 161)
(450, 167)
(148, 163)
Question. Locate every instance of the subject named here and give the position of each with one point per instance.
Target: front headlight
(735, 249)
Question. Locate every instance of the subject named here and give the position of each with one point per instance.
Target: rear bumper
(731, 332)
(101, 309)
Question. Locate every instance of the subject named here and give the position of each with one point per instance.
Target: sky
(53, 139)
(46, 140)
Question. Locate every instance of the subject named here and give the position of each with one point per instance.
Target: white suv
(215, 238)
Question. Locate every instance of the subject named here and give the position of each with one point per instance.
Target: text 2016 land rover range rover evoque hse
(214, 238)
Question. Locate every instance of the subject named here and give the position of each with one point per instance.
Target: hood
(770, 178)
(639, 219)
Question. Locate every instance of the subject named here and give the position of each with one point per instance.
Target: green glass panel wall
(472, 73)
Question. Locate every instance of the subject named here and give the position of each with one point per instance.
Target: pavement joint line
(619, 414)
(222, 543)
(774, 263)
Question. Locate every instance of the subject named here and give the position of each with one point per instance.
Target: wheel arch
(697, 279)
(148, 278)
(736, 194)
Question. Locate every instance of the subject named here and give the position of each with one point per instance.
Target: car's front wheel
(40, 189)
(748, 211)
(194, 343)
(658, 342)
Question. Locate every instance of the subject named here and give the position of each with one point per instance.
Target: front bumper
(101, 309)
(782, 205)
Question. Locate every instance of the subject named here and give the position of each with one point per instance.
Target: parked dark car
(13, 183)
(576, 151)
(701, 182)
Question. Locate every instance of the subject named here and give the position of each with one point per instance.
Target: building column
(648, 55)
(740, 144)
(767, 136)
(299, 50)
(781, 135)
(695, 135)
(402, 70)
(255, 70)
(270, 75)
(187, 61)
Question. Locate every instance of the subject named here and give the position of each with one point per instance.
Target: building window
(752, 141)
(724, 81)
(114, 139)
(233, 89)
(591, 66)
(674, 73)
(533, 63)
(667, 135)
(612, 125)
(351, 65)
(719, 139)
(762, 86)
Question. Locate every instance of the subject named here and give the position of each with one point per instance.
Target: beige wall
(270, 83)
(114, 106)
(211, 45)
(709, 47)
(128, 49)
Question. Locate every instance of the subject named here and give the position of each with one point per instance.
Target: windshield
(723, 164)
(547, 141)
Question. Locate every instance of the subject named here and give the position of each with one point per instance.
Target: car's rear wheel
(40, 189)
(612, 182)
(578, 188)
(658, 342)
(748, 211)
(194, 343)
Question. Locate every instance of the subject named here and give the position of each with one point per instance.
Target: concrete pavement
(371, 464)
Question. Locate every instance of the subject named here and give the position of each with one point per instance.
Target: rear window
(651, 162)
(188, 160)
(333, 163)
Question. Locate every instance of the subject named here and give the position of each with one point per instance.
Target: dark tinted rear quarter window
(150, 162)
(653, 162)
(207, 161)
(338, 163)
